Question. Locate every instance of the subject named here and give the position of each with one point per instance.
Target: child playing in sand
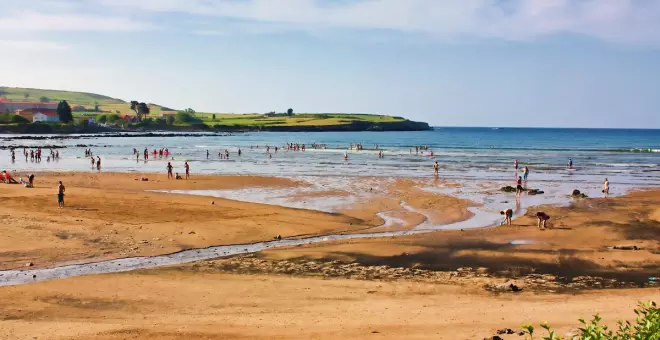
(177, 176)
(543, 218)
(508, 214)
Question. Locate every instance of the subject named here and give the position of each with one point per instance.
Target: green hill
(79, 98)
(109, 106)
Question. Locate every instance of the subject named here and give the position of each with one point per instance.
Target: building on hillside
(49, 116)
(128, 118)
(13, 105)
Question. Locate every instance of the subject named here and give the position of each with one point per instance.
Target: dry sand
(335, 290)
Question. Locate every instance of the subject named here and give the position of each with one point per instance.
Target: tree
(140, 109)
(214, 116)
(64, 111)
(26, 95)
(169, 120)
(18, 119)
(101, 118)
(44, 99)
(289, 112)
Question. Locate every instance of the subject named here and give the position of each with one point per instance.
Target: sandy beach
(444, 284)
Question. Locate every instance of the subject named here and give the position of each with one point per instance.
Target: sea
(625, 156)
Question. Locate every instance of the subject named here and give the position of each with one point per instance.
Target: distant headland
(25, 110)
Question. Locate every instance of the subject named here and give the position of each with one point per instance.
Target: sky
(531, 63)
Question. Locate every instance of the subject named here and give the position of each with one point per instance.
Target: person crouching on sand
(508, 214)
(543, 219)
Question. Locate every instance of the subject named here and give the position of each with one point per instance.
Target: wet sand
(348, 289)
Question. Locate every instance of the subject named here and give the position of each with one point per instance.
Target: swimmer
(508, 214)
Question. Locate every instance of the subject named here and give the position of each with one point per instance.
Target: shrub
(169, 120)
(101, 118)
(18, 119)
(113, 118)
(646, 327)
(185, 118)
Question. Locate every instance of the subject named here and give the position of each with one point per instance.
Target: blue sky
(547, 63)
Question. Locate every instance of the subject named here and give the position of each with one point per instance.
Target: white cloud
(31, 45)
(617, 21)
(614, 21)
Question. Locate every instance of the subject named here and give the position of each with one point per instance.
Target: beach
(434, 284)
(307, 245)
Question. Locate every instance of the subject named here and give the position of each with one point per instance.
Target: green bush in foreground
(646, 327)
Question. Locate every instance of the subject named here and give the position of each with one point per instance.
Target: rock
(278, 237)
(494, 337)
(212, 202)
(508, 188)
(191, 233)
(575, 192)
(505, 331)
(29, 264)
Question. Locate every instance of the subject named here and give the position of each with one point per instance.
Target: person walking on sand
(60, 195)
(169, 170)
(508, 214)
(606, 188)
(187, 169)
(436, 168)
(519, 187)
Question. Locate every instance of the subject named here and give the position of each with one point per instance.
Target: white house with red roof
(39, 115)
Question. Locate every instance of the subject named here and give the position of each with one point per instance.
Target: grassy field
(108, 105)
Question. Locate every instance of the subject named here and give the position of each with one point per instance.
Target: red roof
(47, 112)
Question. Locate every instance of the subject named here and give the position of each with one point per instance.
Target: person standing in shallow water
(60, 195)
(606, 188)
(436, 168)
(187, 166)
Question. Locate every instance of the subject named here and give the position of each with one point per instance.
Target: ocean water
(625, 156)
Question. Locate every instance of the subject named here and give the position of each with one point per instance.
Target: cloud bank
(631, 22)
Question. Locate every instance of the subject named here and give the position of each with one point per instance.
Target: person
(177, 176)
(240, 152)
(187, 169)
(207, 154)
(606, 188)
(436, 168)
(515, 165)
(169, 170)
(346, 156)
(98, 163)
(31, 180)
(525, 173)
(543, 218)
(137, 156)
(60, 195)
(519, 187)
(93, 161)
(508, 214)
(570, 163)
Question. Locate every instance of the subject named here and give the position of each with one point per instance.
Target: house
(49, 116)
(128, 118)
(30, 113)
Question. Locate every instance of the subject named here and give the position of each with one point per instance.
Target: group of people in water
(34, 155)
